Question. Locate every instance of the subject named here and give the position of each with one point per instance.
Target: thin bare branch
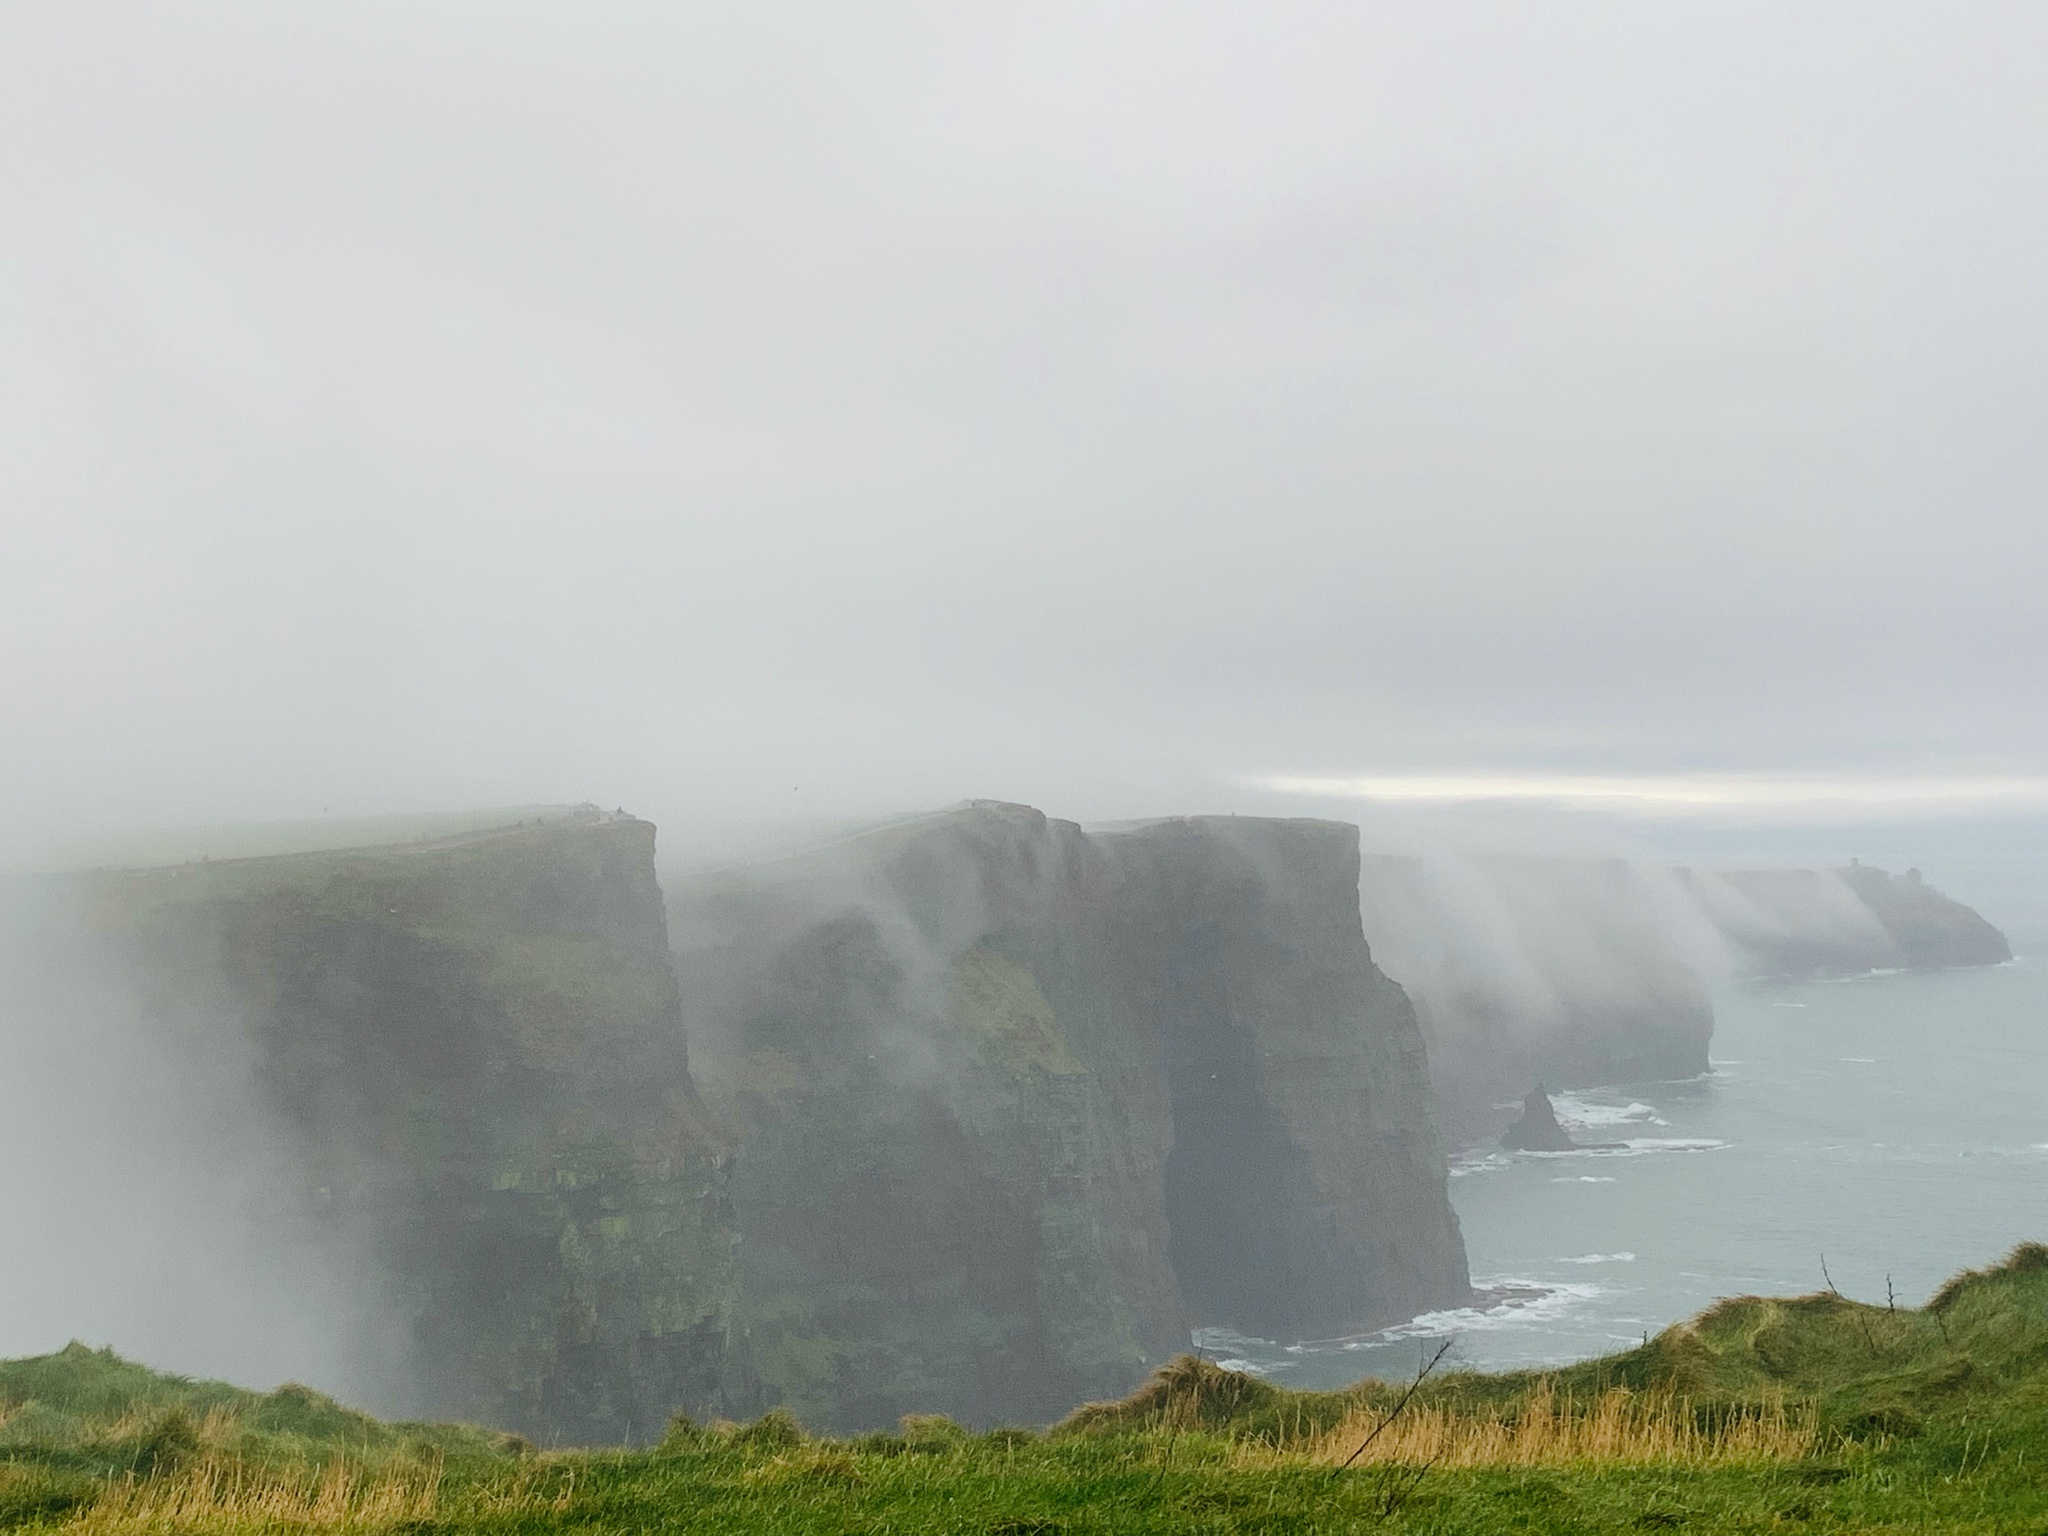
(1421, 1375)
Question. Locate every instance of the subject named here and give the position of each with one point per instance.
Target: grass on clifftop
(1810, 1414)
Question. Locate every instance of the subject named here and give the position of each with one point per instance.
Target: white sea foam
(1478, 1162)
(1601, 1258)
(1639, 1146)
(1583, 1112)
(1530, 1303)
(1587, 1178)
(1236, 1351)
(1788, 1005)
(1863, 1061)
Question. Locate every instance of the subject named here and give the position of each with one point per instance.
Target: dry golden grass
(1543, 1429)
(217, 1431)
(225, 1494)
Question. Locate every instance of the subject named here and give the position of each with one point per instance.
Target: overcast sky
(759, 409)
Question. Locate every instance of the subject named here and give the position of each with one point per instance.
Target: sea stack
(1538, 1130)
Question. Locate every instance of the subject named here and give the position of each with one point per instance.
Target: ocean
(1881, 1131)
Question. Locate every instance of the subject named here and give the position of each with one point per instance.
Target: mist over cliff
(157, 1195)
(1019, 1103)
(1821, 922)
(443, 1079)
(1554, 971)
(1576, 972)
(975, 1113)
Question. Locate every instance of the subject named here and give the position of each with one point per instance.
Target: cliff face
(1812, 922)
(1018, 1103)
(979, 1112)
(474, 1049)
(947, 1180)
(1585, 972)
(1305, 1190)
(992, 1109)
(1525, 971)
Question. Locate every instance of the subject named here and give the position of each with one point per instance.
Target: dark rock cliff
(947, 1178)
(1833, 922)
(474, 1049)
(1305, 1188)
(1017, 1103)
(1537, 1130)
(979, 1112)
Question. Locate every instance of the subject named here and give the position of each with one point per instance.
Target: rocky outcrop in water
(1537, 1130)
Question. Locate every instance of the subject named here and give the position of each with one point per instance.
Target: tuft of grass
(776, 1429)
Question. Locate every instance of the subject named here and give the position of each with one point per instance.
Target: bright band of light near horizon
(1678, 794)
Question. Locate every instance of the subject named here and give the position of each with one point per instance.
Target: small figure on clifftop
(1538, 1130)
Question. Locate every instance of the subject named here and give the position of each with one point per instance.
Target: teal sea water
(1894, 1124)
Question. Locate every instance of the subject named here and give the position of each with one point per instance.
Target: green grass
(1931, 1419)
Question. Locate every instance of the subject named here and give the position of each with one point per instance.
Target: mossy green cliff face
(980, 1112)
(1305, 1191)
(1017, 1104)
(473, 1048)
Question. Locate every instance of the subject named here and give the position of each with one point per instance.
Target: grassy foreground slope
(1815, 1413)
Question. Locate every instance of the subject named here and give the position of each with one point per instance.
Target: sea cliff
(1017, 1103)
(975, 1113)
(471, 1048)
(1838, 922)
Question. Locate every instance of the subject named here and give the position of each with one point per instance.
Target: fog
(152, 1196)
(778, 412)
(1541, 430)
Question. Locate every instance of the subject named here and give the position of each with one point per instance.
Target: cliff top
(858, 844)
(163, 847)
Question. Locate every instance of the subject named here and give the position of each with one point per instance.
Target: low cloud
(1801, 798)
